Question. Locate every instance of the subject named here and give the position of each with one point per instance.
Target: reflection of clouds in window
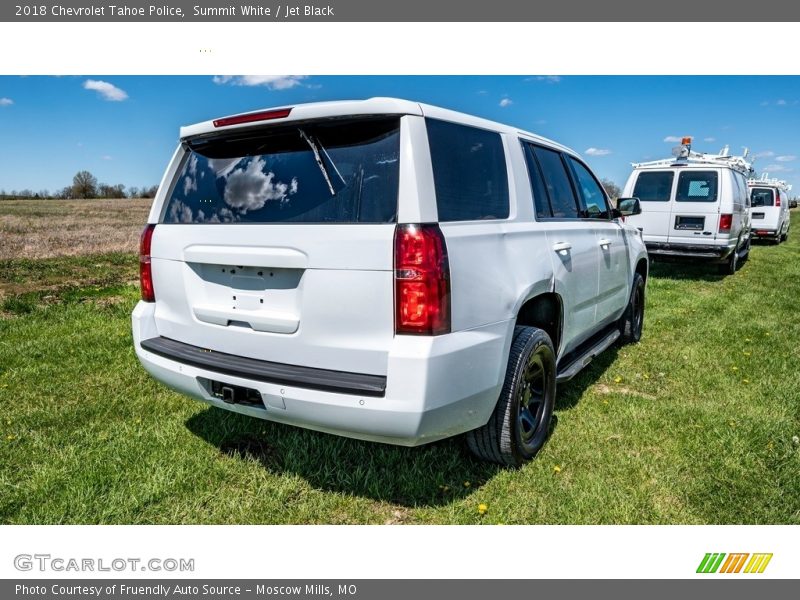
(180, 213)
(190, 180)
(222, 166)
(386, 161)
(249, 188)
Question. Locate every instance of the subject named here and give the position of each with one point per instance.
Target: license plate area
(690, 223)
(758, 215)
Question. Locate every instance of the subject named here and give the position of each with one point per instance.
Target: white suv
(384, 270)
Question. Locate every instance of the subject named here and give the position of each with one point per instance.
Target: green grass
(692, 425)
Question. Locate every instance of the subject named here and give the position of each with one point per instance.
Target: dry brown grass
(50, 228)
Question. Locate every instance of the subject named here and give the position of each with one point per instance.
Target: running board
(577, 365)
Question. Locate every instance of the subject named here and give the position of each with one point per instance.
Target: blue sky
(125, 128)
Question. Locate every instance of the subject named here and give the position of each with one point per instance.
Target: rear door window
(469, 172)
(697, 186)
(654, 186)
(762, 197)
(334, 172)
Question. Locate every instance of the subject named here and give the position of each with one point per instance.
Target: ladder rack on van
(683, 155)
(765, 180)
(738, 163)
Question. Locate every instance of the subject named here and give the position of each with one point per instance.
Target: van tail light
(725, 222)
(777, 198)
(422, 280)
(145, 266)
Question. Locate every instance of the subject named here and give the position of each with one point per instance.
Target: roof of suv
(371, 106)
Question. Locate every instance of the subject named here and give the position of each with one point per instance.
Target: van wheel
(730, 266)
(632, 320)
(520, 423)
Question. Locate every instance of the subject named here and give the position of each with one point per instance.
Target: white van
(694, 206)
(385, 270)
(769, 208)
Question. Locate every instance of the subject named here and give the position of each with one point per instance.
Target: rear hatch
(654, 190)
(694, 218)
(276, 244)
(763, 212)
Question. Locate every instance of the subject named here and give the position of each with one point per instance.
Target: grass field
(696, 424)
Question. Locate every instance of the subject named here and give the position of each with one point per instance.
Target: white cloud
(107, 90)
(776, 168)
(765, 154)
(675, 139)
(786, 158)
(107, 157)
(505, 102)
(250, 188)
(781, 102)
(765, 103)
(190, 180)
(597, 151)
(710, 139)
(549, 78)
(6, 102)
(273, 82)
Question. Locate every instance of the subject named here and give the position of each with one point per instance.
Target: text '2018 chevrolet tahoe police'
(384, 270)
(694, 206)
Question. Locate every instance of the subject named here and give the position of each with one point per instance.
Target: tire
(520, 423)
(632, 320)
(731, 265)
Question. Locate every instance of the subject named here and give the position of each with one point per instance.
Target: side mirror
(628, 207)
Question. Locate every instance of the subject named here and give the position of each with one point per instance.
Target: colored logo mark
(717, 562)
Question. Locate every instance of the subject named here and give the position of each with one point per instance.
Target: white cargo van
(385, 270)
(694, 206)
(769, 208)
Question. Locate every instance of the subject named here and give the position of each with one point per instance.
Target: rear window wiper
(318, 149)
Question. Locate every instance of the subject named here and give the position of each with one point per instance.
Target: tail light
(725, 222)
(264, 115)
(145, 268)
(422, 280)
(777, 198)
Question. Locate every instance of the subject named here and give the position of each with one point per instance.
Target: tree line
(84, 185)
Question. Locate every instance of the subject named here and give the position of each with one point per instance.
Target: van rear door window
(697, 186)
(762, 197)
(654, 186)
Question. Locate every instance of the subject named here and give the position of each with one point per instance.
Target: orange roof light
(686, 140)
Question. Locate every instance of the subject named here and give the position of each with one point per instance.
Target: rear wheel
(632, 321)
(520, 423)
(730, 266)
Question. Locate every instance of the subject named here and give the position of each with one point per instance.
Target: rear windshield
(334, 172)
(762, 197)
(697, 186)
(654, 186)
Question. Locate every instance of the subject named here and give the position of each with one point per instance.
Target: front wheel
(520, 423)
(632, 321)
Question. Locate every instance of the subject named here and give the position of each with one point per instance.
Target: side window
(469, 172)
(594, 198)
(563, 203)
(540, 199)
(697, 186)
(654, 186)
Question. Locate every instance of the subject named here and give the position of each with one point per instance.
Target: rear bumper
(709, 252)
(764, 233)
(434, 387)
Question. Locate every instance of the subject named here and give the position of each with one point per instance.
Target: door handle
(604, 243)
(562, 247)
